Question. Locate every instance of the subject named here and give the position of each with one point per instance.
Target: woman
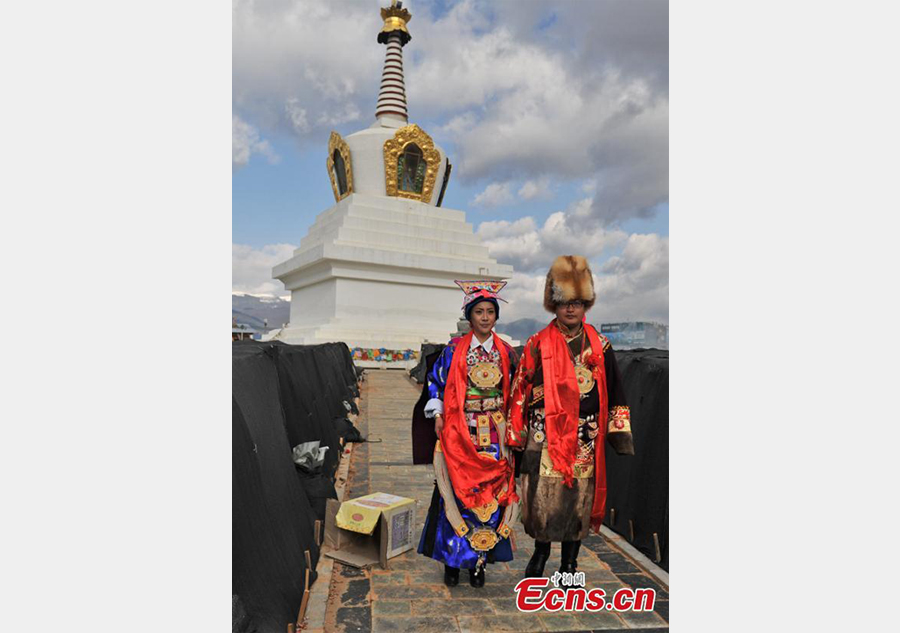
(567, 399)
(474, 501)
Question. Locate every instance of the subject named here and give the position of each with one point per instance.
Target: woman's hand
(438, 424)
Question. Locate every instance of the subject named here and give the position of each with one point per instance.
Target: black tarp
(282, 395)
(638, 485)
(423, 435)
(418, 372)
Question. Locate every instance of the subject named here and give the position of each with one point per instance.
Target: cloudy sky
(554, 115)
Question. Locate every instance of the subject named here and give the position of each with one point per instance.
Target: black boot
(569, 561)
(476, 576)
(535, 567)
(451, 576)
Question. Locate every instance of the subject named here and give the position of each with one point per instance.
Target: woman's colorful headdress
(480, 290)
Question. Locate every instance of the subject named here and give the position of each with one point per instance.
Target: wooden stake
(612, 516)
(318, 532)
(290, 628)
(631, 529)
(656, 543)
(308, 561)
(304, 602)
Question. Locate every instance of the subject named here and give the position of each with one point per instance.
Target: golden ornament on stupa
(395, 18)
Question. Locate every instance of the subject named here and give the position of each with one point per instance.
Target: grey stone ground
(411, 596)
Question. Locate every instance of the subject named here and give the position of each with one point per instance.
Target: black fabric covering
(282, 395)
(423, 435)
(418, 372)
(346, 430)
(318, 490)
(638, 485)
(312, 396)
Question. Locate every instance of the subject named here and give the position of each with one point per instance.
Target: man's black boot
(535, 567)
(476, 576)
(569, 561)
(451, 576)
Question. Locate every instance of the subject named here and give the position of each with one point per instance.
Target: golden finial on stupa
(395, 18)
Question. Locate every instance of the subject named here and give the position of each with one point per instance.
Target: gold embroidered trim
(484, 404)
(619, 420)
(483, 423)
(604, 342)
(485, 375)
(485, 511)
(579, 471)
(584, 378)
(483, 539)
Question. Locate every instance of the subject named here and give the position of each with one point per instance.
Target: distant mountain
(255, 311)
(520, 329)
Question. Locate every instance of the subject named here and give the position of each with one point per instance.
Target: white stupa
(376, 270)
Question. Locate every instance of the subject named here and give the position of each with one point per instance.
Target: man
(566, 398)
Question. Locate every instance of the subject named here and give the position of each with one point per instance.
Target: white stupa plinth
(378, 272)
(377, 269)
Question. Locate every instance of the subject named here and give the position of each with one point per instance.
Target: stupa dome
(392, 157)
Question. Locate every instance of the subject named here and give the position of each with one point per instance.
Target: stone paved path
(411, 596)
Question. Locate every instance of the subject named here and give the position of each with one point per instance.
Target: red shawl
(476, 480)
(561, 403)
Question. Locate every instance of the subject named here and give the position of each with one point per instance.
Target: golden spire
(395, 18)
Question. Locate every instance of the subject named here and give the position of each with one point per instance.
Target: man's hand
(438, 424)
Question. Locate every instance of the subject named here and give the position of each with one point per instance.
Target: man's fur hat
(569, 278)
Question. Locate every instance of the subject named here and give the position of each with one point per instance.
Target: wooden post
(631, 530)
(308, 562)
(656, 543)
(612, 516)
(318, 532)
(304, 602)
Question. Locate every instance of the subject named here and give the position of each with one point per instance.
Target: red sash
(476, 479)
(561, 404)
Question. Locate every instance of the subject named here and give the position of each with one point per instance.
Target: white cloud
(251, 268)
(529, 247)
(525, 294)
(635, 285)
(546, 107)
(245, 141)
(539, 188)
(302, 67)
(494, 195)
(631, 287)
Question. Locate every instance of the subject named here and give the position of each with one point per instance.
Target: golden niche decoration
(340, 169)
(411, 164)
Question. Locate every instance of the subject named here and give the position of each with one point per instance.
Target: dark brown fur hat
(569, 278)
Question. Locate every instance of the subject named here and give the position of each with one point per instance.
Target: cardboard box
(370, 529)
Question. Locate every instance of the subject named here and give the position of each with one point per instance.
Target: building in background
(636, 334)
(377, 269)
(242, 331)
